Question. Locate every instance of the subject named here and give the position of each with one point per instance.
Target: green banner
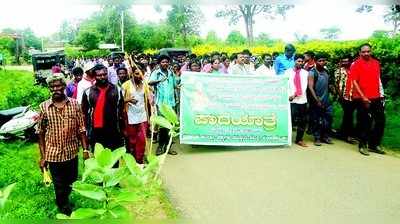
(238, 110)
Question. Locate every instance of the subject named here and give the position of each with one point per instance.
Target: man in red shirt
(103, 105)
(368, 92)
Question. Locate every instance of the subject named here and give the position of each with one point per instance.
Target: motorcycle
(18, 122)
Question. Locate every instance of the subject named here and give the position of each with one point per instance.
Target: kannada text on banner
(238, 110)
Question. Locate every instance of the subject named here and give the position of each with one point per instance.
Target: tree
(248, 12)
(392, 15)
(235, 37)
(89, 38)
(185, 19)
(212, 37)
(68, 31)
(330, 33)
(264, 38)
(301, 38)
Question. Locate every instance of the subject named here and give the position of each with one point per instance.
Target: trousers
(63, 175)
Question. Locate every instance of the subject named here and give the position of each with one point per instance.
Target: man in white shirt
(298, 79)
(87, 81)
(267, 68)
(239, 68)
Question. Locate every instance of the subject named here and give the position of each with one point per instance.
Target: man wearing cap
(60, 128)
(285, 61)
(164, 82)
(87, 81)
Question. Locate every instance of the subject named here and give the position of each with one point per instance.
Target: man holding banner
(298, 79)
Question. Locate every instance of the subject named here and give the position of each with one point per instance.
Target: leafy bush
(113, 188)
(18, 89)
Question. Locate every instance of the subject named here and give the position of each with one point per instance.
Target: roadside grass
(18, 89)
(30, 199)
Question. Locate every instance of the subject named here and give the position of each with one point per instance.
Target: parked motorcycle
(18, 122)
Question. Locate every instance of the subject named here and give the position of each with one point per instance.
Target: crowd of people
(109, 101)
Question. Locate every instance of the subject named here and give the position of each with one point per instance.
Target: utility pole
(122, 30)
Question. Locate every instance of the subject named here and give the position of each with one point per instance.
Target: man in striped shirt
(60, 128)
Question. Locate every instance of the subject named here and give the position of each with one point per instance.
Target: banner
(237, 110)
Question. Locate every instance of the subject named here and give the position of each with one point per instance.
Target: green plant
(113, 188)
(4, 193)
(168, 120)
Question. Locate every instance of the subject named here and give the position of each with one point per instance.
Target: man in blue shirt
(285, 61)
(164, 83)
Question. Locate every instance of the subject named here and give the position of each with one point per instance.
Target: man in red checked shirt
(365, 74)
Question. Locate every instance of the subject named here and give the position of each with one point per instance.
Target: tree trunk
(396, 26)
(248, 21)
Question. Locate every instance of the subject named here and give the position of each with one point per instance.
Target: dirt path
(328, 184)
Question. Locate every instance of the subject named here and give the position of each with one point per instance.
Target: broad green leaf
(169, 114)
(104, 159)
(151, 168)
(119, 212)
(116, 155)
(98, 148)
(126, 196)
(90, 166)
(97, 176)
(89, 190)
(130, 162)
(162, 122)
(133, 181)
(113, 176)
(86, 213)
(4, 193)
(62, 216)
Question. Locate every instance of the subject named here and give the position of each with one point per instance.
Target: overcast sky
(45, 16)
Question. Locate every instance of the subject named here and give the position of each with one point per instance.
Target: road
(328, 184)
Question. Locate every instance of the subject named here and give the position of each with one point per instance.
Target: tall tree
(392, 15)
(212, 37)
(330, 33)
(185, 19)
(68, 31)
(248, 12)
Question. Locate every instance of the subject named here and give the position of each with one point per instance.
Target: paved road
(330, 184)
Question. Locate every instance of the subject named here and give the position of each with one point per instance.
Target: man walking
(60, 128)
(165, 83)
(365, 74)
(87, 81)
(137, 114)
(102, 106)
(72, 87)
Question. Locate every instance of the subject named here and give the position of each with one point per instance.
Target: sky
(44, 17)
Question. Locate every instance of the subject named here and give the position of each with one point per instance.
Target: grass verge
(30, 199)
